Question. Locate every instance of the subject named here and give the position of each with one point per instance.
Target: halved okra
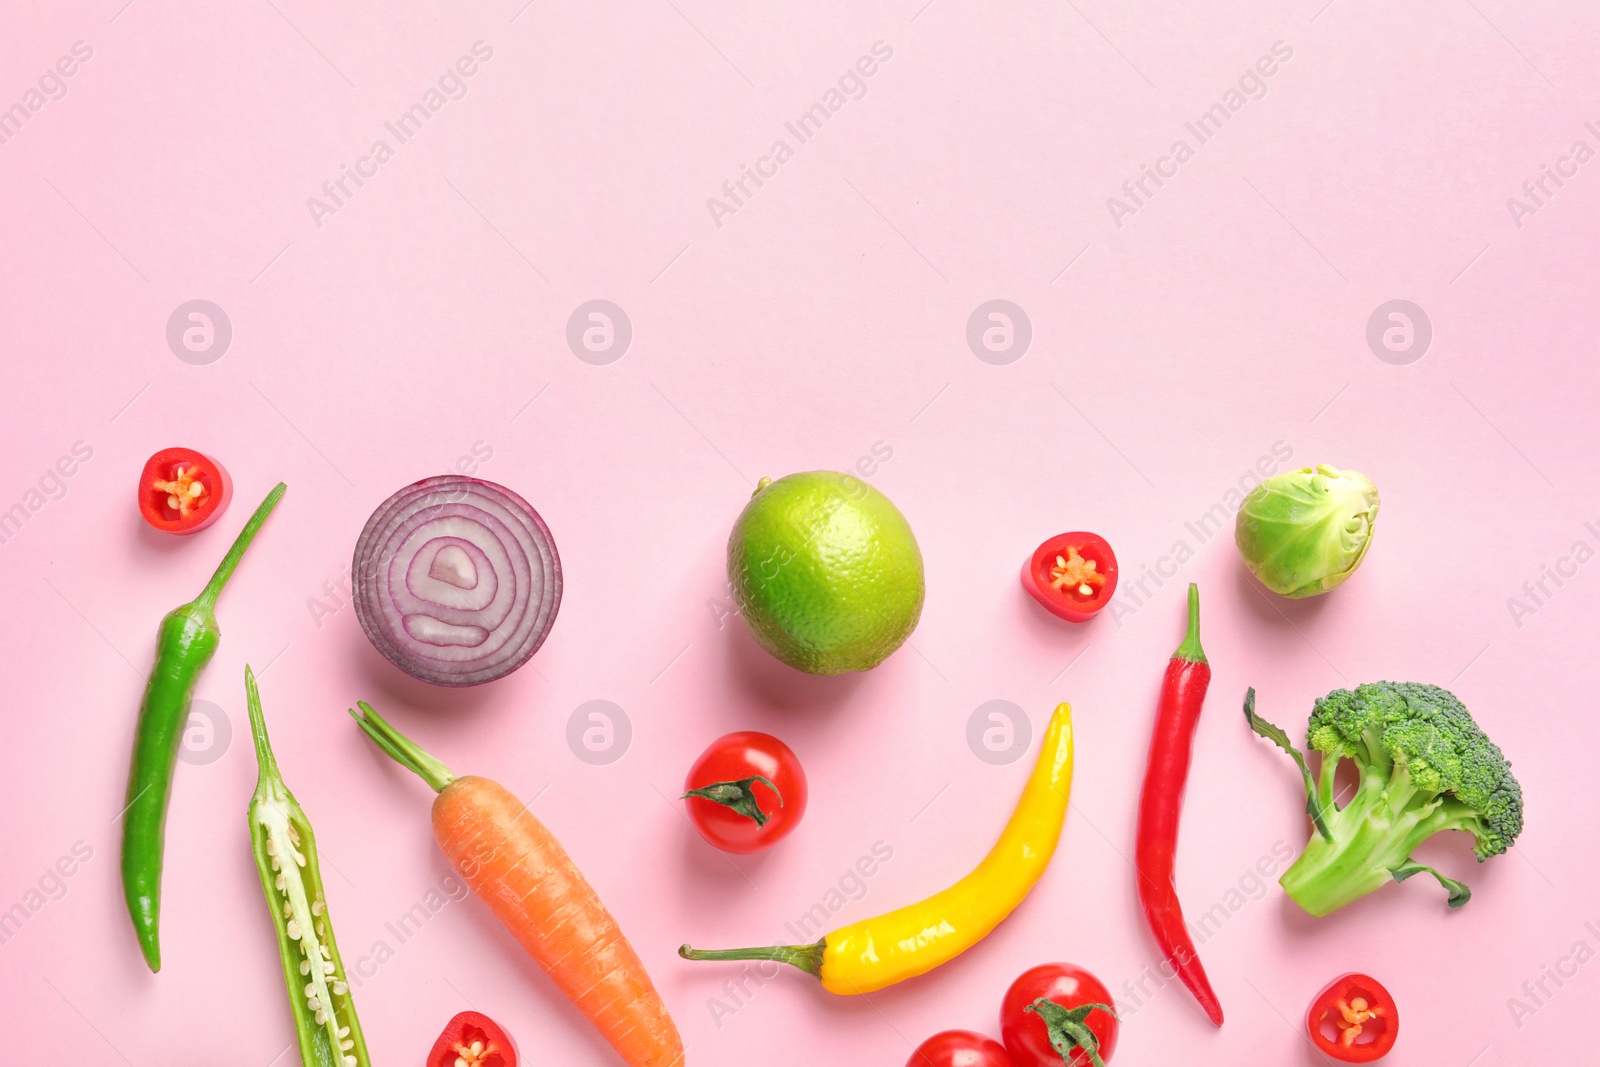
(286, 856)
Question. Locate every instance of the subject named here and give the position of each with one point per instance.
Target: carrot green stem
(1190, 650)
(401, 748)
(806, 957)
(208, 596)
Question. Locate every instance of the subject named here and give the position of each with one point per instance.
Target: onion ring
(457, 580)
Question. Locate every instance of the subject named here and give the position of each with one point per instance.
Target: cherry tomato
(1063, 998)
(746, 792)
(960, 1048)
(182, 491)
(1353, 1019)
(1073, 575)
(473, 1039)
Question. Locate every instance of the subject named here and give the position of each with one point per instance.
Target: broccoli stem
(1372, 836)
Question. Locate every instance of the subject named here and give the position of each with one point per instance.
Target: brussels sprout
(1305, 531)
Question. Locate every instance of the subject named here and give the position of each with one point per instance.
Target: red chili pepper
(1183, 690)
(1353, 1019)
(1073, 575)
(182, 491)
(473, 1039)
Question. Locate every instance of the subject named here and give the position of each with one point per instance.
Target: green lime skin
(826, 572)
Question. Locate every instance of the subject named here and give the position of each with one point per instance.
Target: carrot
(517, 867)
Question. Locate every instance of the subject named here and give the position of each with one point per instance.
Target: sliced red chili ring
(1073, 575)
(1353, 1019)
(475, 1040)
(182, 491)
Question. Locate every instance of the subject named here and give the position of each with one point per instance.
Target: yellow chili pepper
(915, 939)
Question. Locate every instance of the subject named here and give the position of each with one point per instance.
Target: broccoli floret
(1425, 767)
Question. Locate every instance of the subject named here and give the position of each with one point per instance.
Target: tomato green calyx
(806, 957)
(1073, 572)
(1190, 651)
(738, 796)
(1068, 1029)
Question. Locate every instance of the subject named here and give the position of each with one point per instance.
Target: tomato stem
(1068, 1030)
(738, 797)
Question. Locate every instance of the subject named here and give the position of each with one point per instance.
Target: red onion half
(456, 580)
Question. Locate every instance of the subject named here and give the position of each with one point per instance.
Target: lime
(826, 572)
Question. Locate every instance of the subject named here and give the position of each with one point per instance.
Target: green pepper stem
(265, 760)
(401, 748)
(1190, 651)
(208, 596)
(806, 957)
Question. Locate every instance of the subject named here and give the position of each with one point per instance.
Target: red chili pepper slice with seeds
(473, 1040)
(1353, 1019)
(1073, 575)
(182, 491)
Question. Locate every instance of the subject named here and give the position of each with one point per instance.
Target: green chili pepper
(286, 855)
(187, 641)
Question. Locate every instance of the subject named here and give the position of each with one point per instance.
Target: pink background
(826, 315)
